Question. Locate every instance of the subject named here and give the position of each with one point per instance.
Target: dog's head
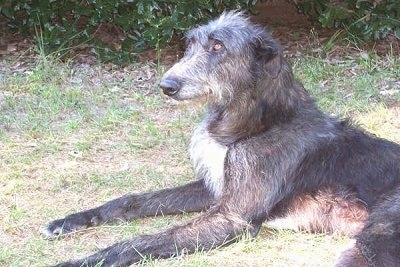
(227, 54)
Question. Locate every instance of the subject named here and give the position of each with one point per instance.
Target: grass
(74, 136)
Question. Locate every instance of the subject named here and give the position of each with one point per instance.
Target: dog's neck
(255, 112)
(227, 126)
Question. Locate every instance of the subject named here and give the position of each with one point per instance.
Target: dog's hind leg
(334, 211)
(187, 198)
(378, 243)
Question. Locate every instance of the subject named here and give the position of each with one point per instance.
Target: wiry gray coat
(264, 151)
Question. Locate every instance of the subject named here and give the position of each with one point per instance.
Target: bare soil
(297, 33)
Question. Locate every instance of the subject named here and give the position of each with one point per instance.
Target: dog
(263, 152)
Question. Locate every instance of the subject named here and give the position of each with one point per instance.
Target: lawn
(73, 136)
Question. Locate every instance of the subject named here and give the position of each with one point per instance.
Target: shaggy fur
(263, 152)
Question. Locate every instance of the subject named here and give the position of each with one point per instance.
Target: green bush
(142, 23)
(367, 19)
(135, 25)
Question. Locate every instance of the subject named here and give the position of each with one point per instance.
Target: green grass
(353, 84)
(72, 137)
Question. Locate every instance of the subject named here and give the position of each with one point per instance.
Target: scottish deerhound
(263, 152)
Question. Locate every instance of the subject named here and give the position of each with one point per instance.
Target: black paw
(69, 224)
(68, 264)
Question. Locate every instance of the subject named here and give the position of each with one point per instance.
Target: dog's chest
(208, 157)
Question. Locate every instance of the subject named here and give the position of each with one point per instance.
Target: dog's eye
(217, 47)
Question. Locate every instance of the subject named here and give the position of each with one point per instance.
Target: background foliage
(367, 19)
(139, 24)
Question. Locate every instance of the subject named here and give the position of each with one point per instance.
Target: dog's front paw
(69, 224)
(69, 264)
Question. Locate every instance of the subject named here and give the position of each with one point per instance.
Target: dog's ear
(268, 53)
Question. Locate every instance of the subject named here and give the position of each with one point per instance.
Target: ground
(78, 133)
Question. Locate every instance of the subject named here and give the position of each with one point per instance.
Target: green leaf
(8, 12)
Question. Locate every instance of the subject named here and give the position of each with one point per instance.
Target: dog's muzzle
(170, 86)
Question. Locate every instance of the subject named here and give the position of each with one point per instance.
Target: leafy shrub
(368, 19)
(136, 24)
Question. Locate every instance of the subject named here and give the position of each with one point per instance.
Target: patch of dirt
(293, 30)
(297, 33)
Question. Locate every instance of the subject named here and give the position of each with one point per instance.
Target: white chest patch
(208, 157)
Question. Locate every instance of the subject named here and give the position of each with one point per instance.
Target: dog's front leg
(187, 198)
(210, 230)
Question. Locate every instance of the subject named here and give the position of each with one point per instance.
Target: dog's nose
(170, 86)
